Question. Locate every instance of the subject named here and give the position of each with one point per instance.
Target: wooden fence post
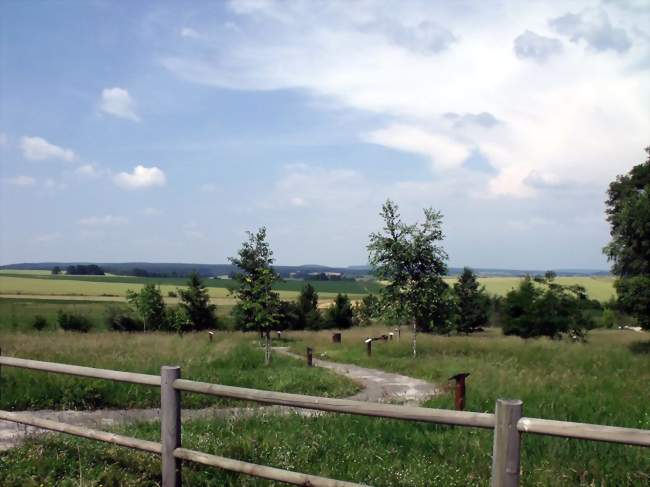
(506, 452)
(170, 425)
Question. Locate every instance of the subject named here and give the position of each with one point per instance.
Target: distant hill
(210, 270)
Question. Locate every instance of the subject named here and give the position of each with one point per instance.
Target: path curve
(377, 386)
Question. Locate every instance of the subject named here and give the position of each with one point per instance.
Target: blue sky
(157, 131)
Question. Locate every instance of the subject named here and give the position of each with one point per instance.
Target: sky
(162, 132)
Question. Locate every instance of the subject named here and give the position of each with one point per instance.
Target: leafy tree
(542, 307)
(472, 303)
(339, 314)
(56, 270)
(258, 306)
(628, 213)
(119, 320)
(150, 306)
(410, 258)
(309, 316)
(368, 309)
(634, 298)
(177, 320)
(195, 303)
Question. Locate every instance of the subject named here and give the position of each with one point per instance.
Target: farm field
(600, 288)
(555, 379)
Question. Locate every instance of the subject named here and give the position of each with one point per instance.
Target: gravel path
(377, 386)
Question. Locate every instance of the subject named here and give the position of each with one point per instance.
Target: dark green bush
(73, 322)
(39, 323)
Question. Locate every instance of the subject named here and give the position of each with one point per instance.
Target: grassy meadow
(232, 359)
(605, 380)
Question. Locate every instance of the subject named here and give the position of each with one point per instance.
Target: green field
(233, 359)
(603, 381)
(600, 288)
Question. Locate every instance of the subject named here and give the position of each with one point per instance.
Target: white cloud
(537, 47)
(100, 221)
(581, 116)
(90, 170)
(141, 177)
(444, 152)
(190, 33)
(118, 102)
(39, 149)
(47, 237)
(19, 181)
(149, 211)
(54, 185)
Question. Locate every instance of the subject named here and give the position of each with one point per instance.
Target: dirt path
(377, 386)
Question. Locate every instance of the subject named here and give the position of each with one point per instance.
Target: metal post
(459, 396)
(506, 452)
(369, 346)
(170, 425)
(310, 356)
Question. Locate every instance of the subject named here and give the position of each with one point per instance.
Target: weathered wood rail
(507, 422)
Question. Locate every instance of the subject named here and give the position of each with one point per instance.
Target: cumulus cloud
(39, 149)
(100, 221)
(593, 27)
(51, 184)
(536, 47)
(141, 177)
(118, 103)
(583, 120)
(444, 152)
(19, 181)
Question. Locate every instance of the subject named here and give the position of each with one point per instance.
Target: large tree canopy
(628, 212)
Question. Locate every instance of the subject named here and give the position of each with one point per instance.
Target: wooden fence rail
(507, 423)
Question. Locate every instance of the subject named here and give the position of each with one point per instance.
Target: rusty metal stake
(336, 338)
(369, 346)
(459, 396)
(211, 335)
(310, 357)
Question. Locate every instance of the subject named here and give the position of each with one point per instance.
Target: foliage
(73, 322)
(39, 323)
(411, 260)
(340, 314)
(541, 307)
(634, 298)
(308, 314)
(149, 304)
(118, 319)
(56, 270)
(367, 310)
(177, 320)
(258, 306)
(628, 213)
(195, 302)
(84, 270)
(472, 303)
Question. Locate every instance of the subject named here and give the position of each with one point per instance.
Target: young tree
(56, 270)
(258, 306)
(309, 316)
(542, 307)
(340, 314)
(472, 303)
(150, 306)
(368, 309)
(628, 213)
(411, 260)
(195, 302)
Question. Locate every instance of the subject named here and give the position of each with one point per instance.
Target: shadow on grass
(640, 347)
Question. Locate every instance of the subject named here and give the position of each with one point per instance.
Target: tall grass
(233, 359)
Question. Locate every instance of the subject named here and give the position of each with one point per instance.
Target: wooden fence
(507, 423)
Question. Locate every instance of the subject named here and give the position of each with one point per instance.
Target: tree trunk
(267, 349)
(415, 334)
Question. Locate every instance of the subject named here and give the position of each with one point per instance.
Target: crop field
(115, 287)
(602, 381)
